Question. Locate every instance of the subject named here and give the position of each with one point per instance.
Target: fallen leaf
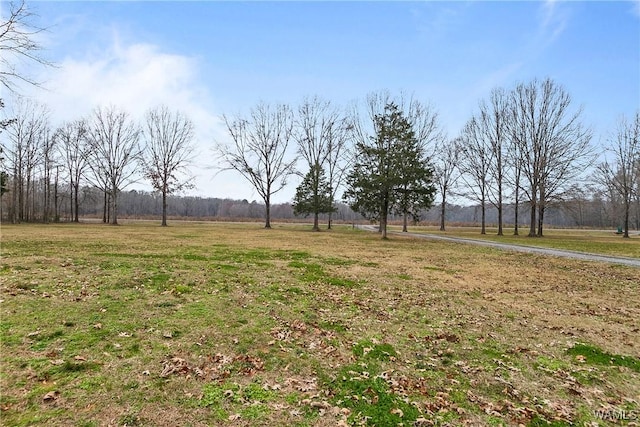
(51, 396)
(398, 412)
(97, 326)
(80, 359)
(320, 405)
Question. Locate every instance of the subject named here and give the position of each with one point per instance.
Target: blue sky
(210, 58)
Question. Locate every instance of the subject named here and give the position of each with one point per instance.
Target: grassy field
(592, 241)
(230, 324)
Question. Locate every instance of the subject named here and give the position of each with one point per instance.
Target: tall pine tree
(313, 195)
(390, 172)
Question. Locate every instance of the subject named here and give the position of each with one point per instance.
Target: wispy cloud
(553, 22)
(437, 20)
(635, 8)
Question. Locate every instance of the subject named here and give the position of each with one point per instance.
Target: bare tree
(482, 161)
(320, 135)
(18, 43)
(475, 163)
(422, 118)
(168, 153)
(513, 176)
(551, 141)
(494, 117)
(113, 140)
(26, 133)
(73, 149)
(447, 172)
(623, 174)
(49, 160)
(259, 150)
(338, 160)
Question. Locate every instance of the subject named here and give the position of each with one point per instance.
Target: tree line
(386, 155)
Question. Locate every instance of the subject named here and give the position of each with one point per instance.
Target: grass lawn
(604, 242)
(202, 324)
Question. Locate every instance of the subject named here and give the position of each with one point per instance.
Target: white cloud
(136, 77)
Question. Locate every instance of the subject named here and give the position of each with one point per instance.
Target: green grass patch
(595, 356)
(368, 350)
(314, 273)
(369, 398)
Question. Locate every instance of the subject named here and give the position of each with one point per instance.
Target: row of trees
(108, 149)
(523, 145)
(523, 142)
(389, 154)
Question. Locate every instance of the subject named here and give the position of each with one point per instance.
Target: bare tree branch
(168, 153)
(18, 43)
(73, 147)
(113, 139)
(622, 176)
(259, 151)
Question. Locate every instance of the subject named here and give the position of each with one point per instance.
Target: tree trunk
(114, 203)
(383, 225)
(105, 207)
(532, 223)
(533, 205)
(329, 221)
(267, 212)
(25, 216)
(164, 209)
(442, 212)
(626, 216)
(516, 232)
(540, 219)
(483, 209)
(541, 208)
(315, 222)
(76, 215)
(500, 233)
(47, 195)
(404, 222)
(56, 214)
(14, 196)
(72, 193)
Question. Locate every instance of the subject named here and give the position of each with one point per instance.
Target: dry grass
(231, 324)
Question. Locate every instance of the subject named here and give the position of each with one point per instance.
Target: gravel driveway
(633, 262)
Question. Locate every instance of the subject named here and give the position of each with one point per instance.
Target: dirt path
(633, 262)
